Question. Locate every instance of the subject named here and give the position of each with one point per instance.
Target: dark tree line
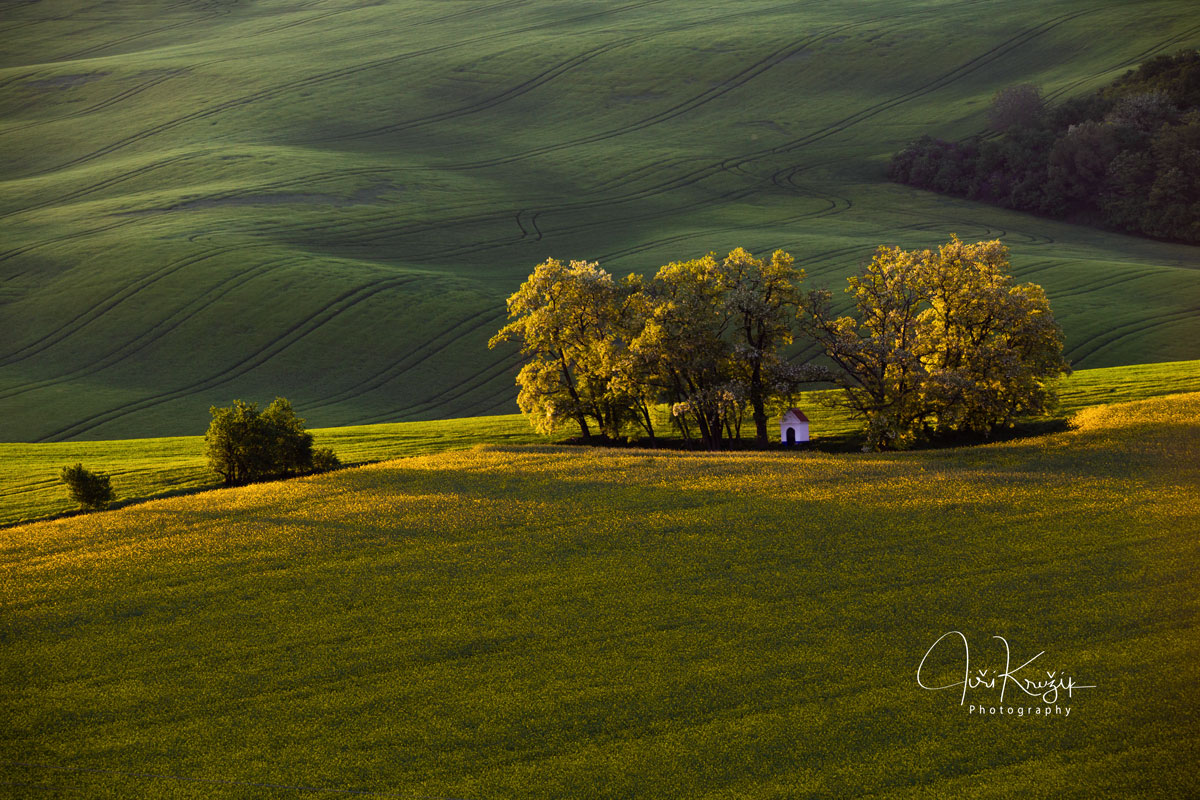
(1126, 158)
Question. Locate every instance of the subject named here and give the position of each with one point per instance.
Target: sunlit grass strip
(143, 468)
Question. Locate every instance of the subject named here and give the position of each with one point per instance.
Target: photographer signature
(1048, 688)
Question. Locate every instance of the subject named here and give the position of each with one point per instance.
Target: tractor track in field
(427, 350)
(450, 393)
(108, 303)
(542, 78)
(110, 101)
(754, 70)
(1127, 63)
(946, 79)
(99, 185)
(833, 207)
(712, 168)
(318, 79)
(738, 80)
(1102, 283)
(54, 240)
(305, 327)
(155, 332)
(87, 51)
(1112, 335)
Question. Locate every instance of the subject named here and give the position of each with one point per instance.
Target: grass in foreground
(145, 468)
(551, 622)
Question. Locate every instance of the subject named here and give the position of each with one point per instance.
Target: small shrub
(92, 490)
(324, 460)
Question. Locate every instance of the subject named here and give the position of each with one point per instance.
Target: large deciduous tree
(574, 322)
(683, 349)
(944, 342)
(878, 354)
(763, 299)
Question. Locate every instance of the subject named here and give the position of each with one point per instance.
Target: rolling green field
(30, 487)
(548, 622)
(330, 200)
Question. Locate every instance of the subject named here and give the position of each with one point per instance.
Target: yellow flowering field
(548, 622)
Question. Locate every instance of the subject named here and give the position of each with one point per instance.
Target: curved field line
(107, 304)
(522, 88)
(103, 104)
(20, 251)
(97, 186)
(317, 79)
(287, 338)
(738, 80)
(140, 35)
(512, 93)
(832, 208)
(1125, 331)
(696, 175)
(959, 72)
(1101, 283)
(412, 359)
(152, 334)
(444, 396)
(1128, 62)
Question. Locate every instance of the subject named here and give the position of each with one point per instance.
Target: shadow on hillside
(844, 443)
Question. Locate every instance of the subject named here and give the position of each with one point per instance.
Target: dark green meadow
(330, 200)
(529, 622)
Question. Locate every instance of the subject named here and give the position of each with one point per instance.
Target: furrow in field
(100, 185)
(432, 346)
(512, 93)
(155, 332)
(1128, 63)
(695, 176)
(87, 51)
(318, 79)
(959, 72)
(741, 78)
(448, 394)
(1081, 351)
(107, 304)
(103, 104)
(522, 88)
(285, 340)
(53, 240)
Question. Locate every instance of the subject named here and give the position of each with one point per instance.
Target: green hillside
(330, 200)
(544, 622)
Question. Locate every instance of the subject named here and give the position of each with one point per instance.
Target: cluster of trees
(244, 445)
(943, 342)
(1125, 158)
(702, 335)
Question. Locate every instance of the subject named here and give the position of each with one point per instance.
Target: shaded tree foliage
(92, 490)
(244, 445)
(1126, 158)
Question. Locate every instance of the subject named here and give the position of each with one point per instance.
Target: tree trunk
(758, 403)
